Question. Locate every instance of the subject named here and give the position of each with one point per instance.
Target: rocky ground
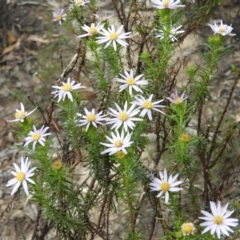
(29, 44)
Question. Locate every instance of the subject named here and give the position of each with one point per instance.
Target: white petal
(166, 197)
(15, 188)
(25, 187)
(11, 182)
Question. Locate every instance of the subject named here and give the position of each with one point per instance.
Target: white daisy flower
(92, 30)
(188, 229)
(59, 16)
(123, 117)
(222, 29)
(113, 36)
(131, 82)
(21, 114)
(172, 34)
(171, 4)
(81, 2)
(21, 176)
(91, 118)
(175, 99)
(101, 16)
(36, 136)
(218, 220)
(117, 143)
(66, 89)
(147, 105)
(165, 184)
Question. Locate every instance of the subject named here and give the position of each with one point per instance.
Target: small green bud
(191, 71)
(164, 14)
(233, 68)
(145, 55)
(92, 44)
(179, 234)
(120, 155)
(215, 40)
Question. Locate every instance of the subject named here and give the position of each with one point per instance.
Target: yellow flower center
(218, 220)
(19, 115)
(59, 17)
(79, 1)
(20, 176)
(118, 143)
(165, 186)
(185, 137)
(221, 29)
(57, 164)
(113, 36)
(120, 155)
(123, 116)
(166, 3)
(178, 100)
(67, 87)
(131, 81)
(92, 30)
(147, 104)
(36, 136)
(91, 117)
(187, 228)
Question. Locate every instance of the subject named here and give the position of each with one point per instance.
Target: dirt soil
(27, 36)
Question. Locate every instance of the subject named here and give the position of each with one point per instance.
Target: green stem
(215, 44)
(130, 205)
(98, 69)
(127, 185)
